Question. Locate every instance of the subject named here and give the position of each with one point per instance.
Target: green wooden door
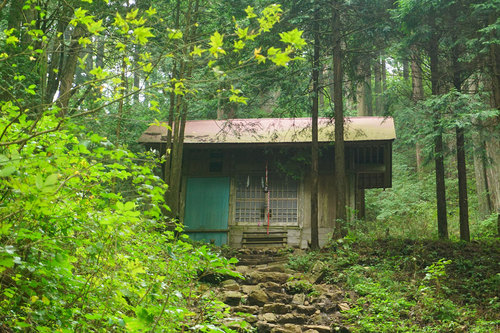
(207, 209)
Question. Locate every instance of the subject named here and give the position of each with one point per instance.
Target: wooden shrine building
(246, 182)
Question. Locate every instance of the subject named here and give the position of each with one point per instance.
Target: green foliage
(486, 228)
(302, 263)
(411, 214)
(299, 287)
(407, 286)
(83, 246)
(83, 241)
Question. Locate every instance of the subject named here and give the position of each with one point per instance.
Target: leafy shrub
(486, 228)
(82, 246)
(299, 287)
(302, 263)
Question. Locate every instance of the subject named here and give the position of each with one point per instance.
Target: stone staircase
(274, 299)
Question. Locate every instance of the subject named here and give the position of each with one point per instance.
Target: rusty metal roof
(274, 130)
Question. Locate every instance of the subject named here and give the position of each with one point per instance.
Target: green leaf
(11, 40)
(250, 12)
(39, 181)
(132, 14)
(121, 23)
(197, 51)
(148, 68)
(238, 45)
(293, 37)
(51, 180)
(80, 16)
(281, 59)
(95, 27)
(259, 57)
(151, 11)
(175, 34)
(129, 205)
(242, 33)
(142, 34)
(216, 42)
(6, 262)
(99, 73)
(7, 171)
(4, 228)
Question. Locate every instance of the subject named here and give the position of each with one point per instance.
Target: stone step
(272, 300)
(258, 259)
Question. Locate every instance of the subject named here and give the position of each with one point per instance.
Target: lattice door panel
(251, 200)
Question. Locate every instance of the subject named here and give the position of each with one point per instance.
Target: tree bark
(493, 145)
(3, 3)
(480, 167)
(180, 110)
(438, 144)
(360, 204)
(377, 69)
(463, 202)
(121, 102)
(340, 187)
(15, 15)
(416, 96)
(364, 90)
(462, 185)
(137, 78)
(314, 144)
(493, 168)
(384, 77)
(417, 92)
(68, 73)
(406, 71)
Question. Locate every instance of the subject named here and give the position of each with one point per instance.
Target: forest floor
(387, 285)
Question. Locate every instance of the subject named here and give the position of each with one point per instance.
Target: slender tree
(442, 221)
(314, 145)
(340, 187)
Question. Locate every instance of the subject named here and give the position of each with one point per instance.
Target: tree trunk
(172, 130)
(350, 100)
(3, 3)
(438, 144)
(55, 65)
(493, 170)
(314, 144)
(406, 71)
(68, 73)
(340, 187)
(384, 78)
(360, 204)
(463, 203)
(493, 145)
(15, 15)
(377, 69)
(480, 167)
(321, 96)
(174, 170)
(121, 102)
(417, 94)
(180, 110)
(364, 90)
(462, 185)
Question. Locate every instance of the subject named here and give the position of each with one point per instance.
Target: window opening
(251, 199)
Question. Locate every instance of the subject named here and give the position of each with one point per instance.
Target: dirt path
(277, 299)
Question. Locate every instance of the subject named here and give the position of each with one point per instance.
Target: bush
(82, 246)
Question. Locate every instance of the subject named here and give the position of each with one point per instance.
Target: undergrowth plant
(392, 286)
(83, 245)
